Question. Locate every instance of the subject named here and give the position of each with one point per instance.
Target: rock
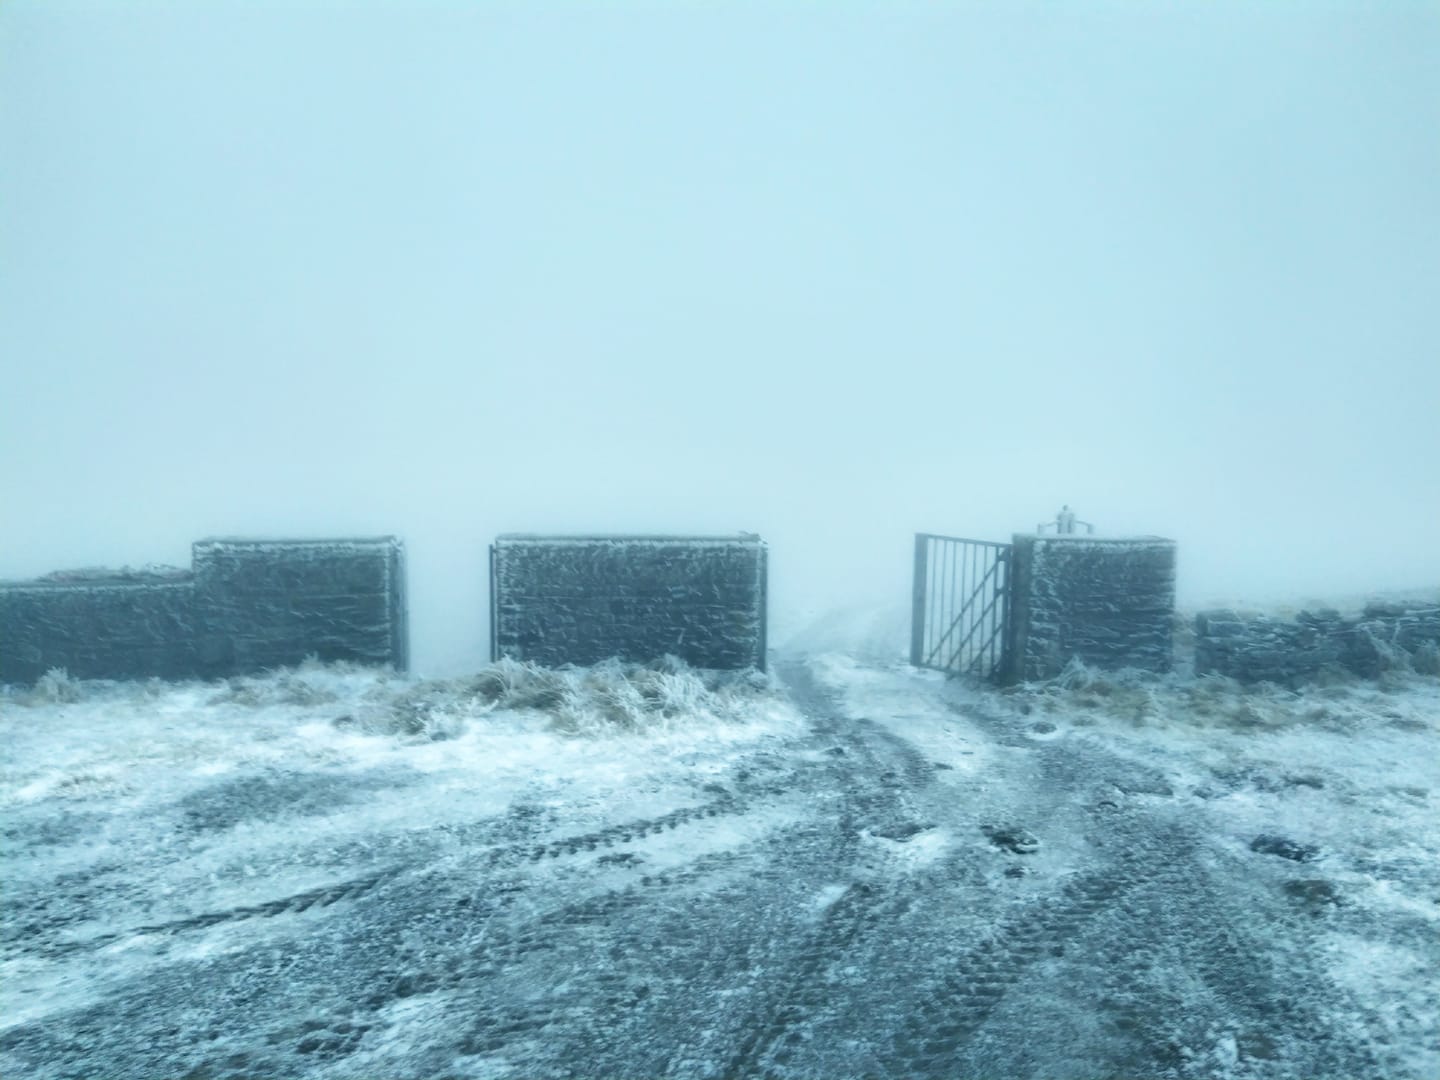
(1285, 848)
(623, 858)
(1011, 838)
(1143, 784)
(1257, 1046)
(900, 832)
(1314, 893)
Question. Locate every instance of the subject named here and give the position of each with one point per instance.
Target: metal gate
(961, 605)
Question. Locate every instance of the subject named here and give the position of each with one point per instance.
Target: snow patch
(827, 896)
(888, 696)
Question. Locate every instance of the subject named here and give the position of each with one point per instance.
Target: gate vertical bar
(979, 559)
(939, 550)
(494, 593)
(948, 615)
(998, 614)
(987, 647)
(1008, 602)
(934, 595)
(917, 599)
(961, 556)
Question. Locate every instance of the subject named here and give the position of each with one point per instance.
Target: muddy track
(729, 930)
(630, 831)
(41, 936)
(873, 770)
(1149, 912)
(777, 926)
(954, 1004)
(322, 897)
(508, 928)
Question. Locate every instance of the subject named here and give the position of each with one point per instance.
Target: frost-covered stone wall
(1107, 602)
(577, 600)
(269, 603)
(98, 627)
(244, 606)
(1259, 648)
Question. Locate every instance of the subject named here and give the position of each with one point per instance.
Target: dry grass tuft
(1426, 659)
(290, 687)
(56, 687)
(610, 697)
(1086, 696)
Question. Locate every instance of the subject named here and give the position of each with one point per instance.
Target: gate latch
(1064, 523)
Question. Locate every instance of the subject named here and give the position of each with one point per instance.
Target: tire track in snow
(1152, 912)
(873, 774)
(38, 937)
(322, 897)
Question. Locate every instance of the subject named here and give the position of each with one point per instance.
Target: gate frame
(999, 644)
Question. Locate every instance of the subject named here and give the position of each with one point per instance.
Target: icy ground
(858, 870)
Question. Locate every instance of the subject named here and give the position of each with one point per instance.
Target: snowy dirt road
(875, 874)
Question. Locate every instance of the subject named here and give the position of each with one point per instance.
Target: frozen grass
(56, 687)
(1426, 659)
(607, 698)
(1336, 700)
(282, 688)
(610, 697)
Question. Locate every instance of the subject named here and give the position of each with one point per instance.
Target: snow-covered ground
(849, 868)
(1328, 797)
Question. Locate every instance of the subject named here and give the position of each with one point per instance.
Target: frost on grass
(56, 687)
(1337, 700)
(1426, 659)
(607, 698)
(610, 697)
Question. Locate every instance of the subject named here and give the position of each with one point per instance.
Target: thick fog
(829, 274)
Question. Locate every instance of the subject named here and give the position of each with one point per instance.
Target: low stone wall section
(100, 628)
(1259, 648)
(582, 599)
(246, 605)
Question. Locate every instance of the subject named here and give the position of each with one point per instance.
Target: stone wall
(98, 627)
(1259, 648)
(577, 600)
(271, 603)
(1109, 603)
(245, 605)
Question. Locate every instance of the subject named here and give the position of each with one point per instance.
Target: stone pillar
(1109, 603)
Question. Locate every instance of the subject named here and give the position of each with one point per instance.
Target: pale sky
(833, 273)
